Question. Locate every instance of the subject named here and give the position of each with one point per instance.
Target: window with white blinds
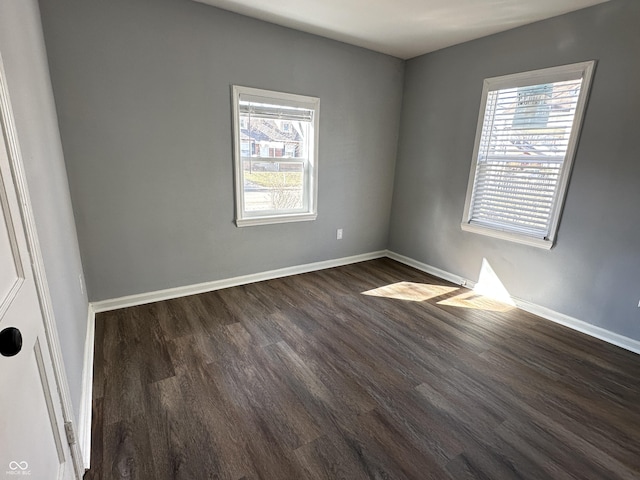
(275, 156)
(527, 135)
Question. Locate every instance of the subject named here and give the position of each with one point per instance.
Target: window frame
(583, 70)
(244, 218)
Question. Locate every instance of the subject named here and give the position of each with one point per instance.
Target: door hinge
(71, 436)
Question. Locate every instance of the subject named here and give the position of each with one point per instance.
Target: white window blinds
(528, 130)
(256, 109)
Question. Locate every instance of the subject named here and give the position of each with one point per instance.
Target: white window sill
(267, 220)
(512, 237)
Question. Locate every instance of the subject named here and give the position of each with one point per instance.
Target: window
(275, 156)
(527, 134)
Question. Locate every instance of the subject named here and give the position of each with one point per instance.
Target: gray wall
(23, 52)
(143, 95)
(592, 272)
(142, 89)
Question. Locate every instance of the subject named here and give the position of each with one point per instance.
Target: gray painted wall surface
(592, 272)
(143, 95)
(23, 52)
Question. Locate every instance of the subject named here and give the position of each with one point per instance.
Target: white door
(32, 439)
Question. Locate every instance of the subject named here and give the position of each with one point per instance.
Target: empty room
(320, 240)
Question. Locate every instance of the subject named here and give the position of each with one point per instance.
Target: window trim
(582, 70)
(310, 189)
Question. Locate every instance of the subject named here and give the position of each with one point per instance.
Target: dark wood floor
(306, 377)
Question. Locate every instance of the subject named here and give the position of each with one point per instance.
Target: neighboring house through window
(275, 156)
(526, 139)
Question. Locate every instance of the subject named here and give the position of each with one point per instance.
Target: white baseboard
(159, 295)
(84, 423)
(579, 325)
(436, 272)
(543, 312)
(143, 298)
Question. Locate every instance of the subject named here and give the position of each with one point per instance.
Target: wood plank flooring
(308, 377)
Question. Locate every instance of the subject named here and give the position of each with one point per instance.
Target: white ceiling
(403, 28)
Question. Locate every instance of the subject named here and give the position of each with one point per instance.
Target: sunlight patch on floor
(410, 291)
(489, 293)
(474, 300)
